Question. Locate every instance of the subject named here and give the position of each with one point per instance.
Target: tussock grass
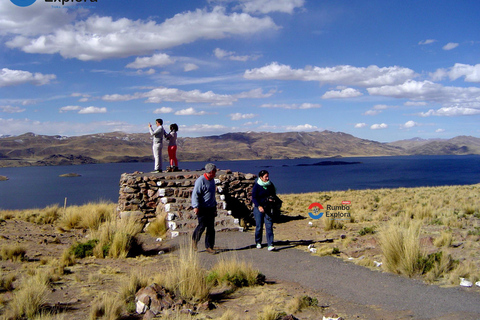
(89, 216)
(6, 281)
(158, 227)
(29, 297)
(134, 282)
(445, 239)
(467, 270)
(15, 253)
(107, 306)
(229, 315)
(268, 313)
(400, 244)
(116, 238)
(300, 303)
(48, 215)
(185, 276)
(438, 265)
(231, 271)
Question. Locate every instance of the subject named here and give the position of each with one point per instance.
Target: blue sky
(379, 70)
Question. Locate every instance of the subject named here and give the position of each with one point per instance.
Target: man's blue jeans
(260, 219)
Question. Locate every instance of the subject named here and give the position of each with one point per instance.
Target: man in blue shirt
(205, 207)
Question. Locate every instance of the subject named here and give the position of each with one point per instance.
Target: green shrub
(367, 230)
(82, 250)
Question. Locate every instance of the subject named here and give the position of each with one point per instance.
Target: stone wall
(147, 195)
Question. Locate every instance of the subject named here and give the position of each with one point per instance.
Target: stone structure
(147, 195)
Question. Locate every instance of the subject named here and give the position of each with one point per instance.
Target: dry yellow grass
(400, 244)
(185, 275)
(28, 299)
(446, 215)
(231, 271)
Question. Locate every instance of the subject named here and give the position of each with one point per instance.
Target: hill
(32, 149)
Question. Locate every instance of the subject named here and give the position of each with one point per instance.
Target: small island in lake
(68, 175)
(3, 178)
(329, 163)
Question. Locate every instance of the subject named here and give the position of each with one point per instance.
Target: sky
(378, 70)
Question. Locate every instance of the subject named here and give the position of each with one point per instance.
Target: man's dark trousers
(206, 220)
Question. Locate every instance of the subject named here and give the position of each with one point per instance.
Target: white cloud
(372, 112)
(205, 129)
(91, 109)
(20, 126)
(98, 38)
(379, 126)
(378, 109)
(254, 94)
(451, 112)
(342, 94)
(381, 107)
(415, 103)
(190, 67)
(343, 74)
(410, 124)
(292, 106)
(440, 130)
(267, 6)
(69, 108)
(161, 94)
(428, 41)
(163, 110)
(190, 112)
(471, 73)
(10, 77)
(309, 106)
(157, 60)
(450, 46)
(428, 91)
(360, 125)
(241, 116)
(303, 127)
(10, 109)
(230, 55)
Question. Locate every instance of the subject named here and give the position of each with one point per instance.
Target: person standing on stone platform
(157, 135)
(205, 208)
(172, 147)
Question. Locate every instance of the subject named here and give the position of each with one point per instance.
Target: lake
(38, 187)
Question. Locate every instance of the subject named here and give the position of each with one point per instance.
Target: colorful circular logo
(23, 3)
(317, 214)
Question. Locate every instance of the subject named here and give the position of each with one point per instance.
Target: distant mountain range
(31, 149)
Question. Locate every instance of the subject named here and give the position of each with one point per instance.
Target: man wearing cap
(205, 207)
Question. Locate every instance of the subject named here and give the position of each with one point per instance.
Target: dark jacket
(260, 195)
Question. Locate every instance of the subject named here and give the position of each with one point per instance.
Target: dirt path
(354, 291)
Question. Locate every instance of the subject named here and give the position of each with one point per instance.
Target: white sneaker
(271, 248)
(259, 246)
